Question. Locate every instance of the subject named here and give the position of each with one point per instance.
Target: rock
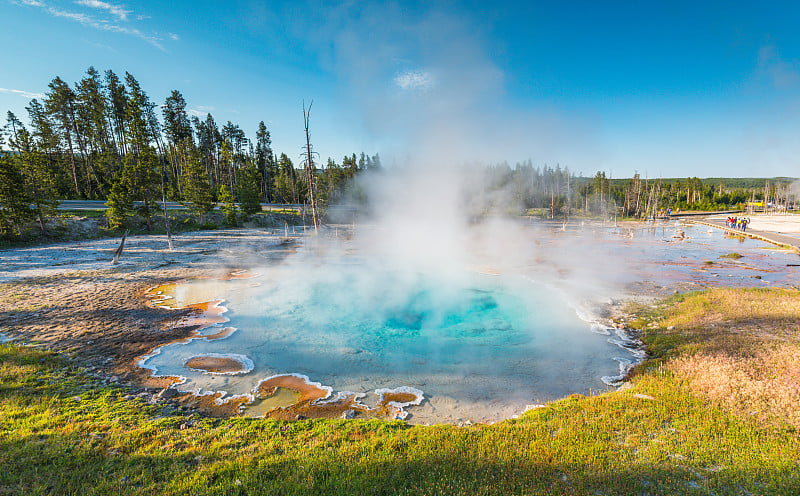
(76, 398)
(348, 414)
(129, 397)
(643, 396)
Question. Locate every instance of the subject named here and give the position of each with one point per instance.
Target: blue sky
(663, 88)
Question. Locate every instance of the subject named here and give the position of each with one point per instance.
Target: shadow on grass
(85, 463)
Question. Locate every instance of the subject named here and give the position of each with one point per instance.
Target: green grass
(61, 433)
(779, 247)
(734, 256)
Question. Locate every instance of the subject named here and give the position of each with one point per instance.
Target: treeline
(560, 193)
(104, 139)
(645, 198)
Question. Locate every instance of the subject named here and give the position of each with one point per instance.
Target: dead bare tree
(311, 173)
(118, 251)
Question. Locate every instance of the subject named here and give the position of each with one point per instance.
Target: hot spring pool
(481, 347)
(480, 344)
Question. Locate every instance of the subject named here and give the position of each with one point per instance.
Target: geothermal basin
(479, 340)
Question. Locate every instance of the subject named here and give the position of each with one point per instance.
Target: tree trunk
(72, 162)
(310, 171)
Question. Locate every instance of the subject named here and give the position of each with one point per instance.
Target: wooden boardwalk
(770, 237)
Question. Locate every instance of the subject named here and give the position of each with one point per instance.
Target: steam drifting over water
(432, 291)
(426, 293)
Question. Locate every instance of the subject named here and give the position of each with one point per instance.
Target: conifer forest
(103, 138)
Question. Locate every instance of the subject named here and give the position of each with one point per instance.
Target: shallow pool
(481, 343)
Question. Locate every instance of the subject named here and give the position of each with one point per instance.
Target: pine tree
(235, 136)
(39, 188)
(92, 111)
(265, 160)
(15, 211)
(60, 104)
(64, 103)
(250, 189)
(196, 186)
(136, 111)
(375, 163)
(47, 141)
(178, 130)
(120, 199)
(42, 127)
(226, 160)
(117, 102)
(145, 183)
(209, 140)
(176, 121)
(285, 187)
(228, 205)
(140, 179)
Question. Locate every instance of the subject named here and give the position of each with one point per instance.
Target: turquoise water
(480, 346)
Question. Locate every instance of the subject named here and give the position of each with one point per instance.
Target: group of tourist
(739, 223)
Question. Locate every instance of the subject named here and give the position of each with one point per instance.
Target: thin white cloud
(115, 10)
(414, 80)
(26, 94)
(200, 111)
(95, 22)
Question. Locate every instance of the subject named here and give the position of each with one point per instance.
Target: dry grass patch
(740, 348)
(765, 386)
(777, 307)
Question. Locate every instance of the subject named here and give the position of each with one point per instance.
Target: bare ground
(70, 298)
